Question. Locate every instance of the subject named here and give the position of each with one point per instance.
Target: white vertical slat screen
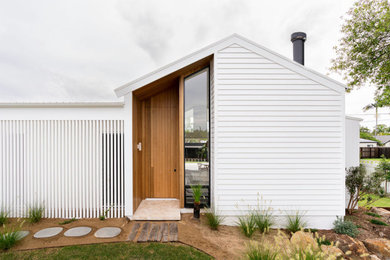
(74, 168)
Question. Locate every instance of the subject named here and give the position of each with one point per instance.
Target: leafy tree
(363, 54)
(360, 184)
(382, 129)
(368, 136)
(364, 129)
(384, 169)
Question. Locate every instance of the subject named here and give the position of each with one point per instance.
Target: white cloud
(82, 50)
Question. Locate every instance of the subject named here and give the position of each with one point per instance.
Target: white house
(367, 143)
(261, 127)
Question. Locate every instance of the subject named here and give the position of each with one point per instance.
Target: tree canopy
(363, 54)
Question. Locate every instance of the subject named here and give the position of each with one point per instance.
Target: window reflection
(196, 126)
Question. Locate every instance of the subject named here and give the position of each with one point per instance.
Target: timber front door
(164, 120)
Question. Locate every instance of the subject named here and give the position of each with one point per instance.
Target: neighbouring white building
(267, 128)
(367, 143)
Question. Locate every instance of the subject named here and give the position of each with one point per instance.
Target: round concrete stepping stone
(77, 232)
(107, 232)
(23, 233)
(48, 232)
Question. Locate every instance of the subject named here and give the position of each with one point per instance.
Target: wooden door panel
(164, 143)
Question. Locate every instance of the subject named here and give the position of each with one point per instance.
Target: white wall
(279, 138)
(352, 140)
(58, 156)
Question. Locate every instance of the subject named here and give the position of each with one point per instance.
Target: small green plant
(196, 193)
(311, 230)
(9, 238)
(263, 220)
(345, 227)
(295, 222)
(3, 217)
(260, 251)
(323, 241)
(378, 222)
(35, 213)
(213, 220)
(372, 214)
(104, 215)
(68, 221)
(247, 225)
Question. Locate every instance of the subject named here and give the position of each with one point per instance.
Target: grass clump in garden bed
(295, 222)
(9, 238)
(372, 214)
(3, 217)
(247, 225)
(263, 220)
(260, 251)
(35, 213)
(345, 227)
(280, 248)
(378, 222)
(213, 220)
(67, 221)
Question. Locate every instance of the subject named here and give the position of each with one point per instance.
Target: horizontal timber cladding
(278, 138)
(73, 168)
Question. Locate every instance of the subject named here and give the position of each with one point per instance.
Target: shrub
(263, 221)
(3, 217)
(345, 227)
(372, 214)
(35, 213)
(68, 221)
(295, 222)
(378, 222)
(360, 184)
(8, 238)
(260, 251)
(247, 225)
(213, 220)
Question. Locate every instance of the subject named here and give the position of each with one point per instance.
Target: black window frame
(186, 204)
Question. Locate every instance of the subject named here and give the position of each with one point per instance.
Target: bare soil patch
(226, 243)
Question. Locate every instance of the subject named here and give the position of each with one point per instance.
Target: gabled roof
(213, 48)
(366, 141)
(383, 138)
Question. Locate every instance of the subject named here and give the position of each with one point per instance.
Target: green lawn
(382, 202)
(111, 251)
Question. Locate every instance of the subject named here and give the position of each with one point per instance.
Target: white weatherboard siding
(278, 138)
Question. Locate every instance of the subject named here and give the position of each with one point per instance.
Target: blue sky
(82, 50)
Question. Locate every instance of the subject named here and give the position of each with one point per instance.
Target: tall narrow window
(196, 136)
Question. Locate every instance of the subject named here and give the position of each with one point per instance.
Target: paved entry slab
(77, 232)
(158, 209)
(48, 232)
(108, 232)
(23, 233)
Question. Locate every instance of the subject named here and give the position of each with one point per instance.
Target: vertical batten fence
(74, 168)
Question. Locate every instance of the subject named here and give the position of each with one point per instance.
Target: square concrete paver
(158, 209)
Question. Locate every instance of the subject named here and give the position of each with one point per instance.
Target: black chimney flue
(298, 39)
